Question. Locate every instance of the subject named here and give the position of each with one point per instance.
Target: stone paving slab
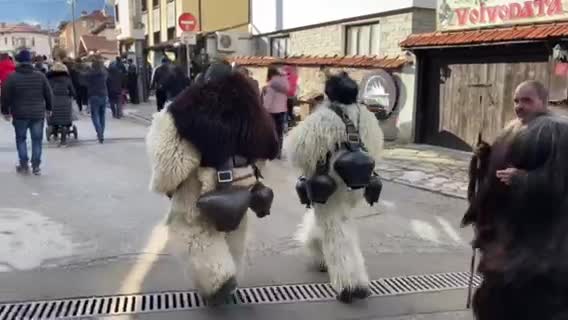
(425, 167)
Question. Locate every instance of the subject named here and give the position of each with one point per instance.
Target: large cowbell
(354, 165)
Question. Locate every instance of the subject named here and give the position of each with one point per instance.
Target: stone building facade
(318, 31)
(330, 38)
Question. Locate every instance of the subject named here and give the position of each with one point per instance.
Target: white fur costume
(328, 230)
(213, 257)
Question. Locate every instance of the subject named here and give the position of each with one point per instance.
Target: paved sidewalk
(425, 167)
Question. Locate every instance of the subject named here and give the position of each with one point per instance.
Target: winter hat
(341, 88)
(59, 67)
(24, 56)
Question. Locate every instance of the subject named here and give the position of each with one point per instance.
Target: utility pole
(74, 31)
(138, 50)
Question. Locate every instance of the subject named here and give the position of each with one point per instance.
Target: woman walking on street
(63, 94)
(275, 99)
(98, 96)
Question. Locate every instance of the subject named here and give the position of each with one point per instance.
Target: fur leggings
(332, 242)
(210, 257)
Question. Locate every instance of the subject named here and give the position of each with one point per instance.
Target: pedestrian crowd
(35, 93)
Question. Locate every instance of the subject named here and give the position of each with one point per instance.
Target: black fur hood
(222, 118)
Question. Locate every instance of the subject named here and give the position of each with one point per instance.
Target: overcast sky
(44, 12)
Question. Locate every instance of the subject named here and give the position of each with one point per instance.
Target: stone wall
(330, 39)
(423, 20)
(394, 29)
(327, 40)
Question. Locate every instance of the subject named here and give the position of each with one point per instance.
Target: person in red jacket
(7, 66)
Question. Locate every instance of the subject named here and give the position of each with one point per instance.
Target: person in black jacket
(132, 82)
(161, 76)
(63, 94)
(176, 83)
(114, 84)
(26, 99)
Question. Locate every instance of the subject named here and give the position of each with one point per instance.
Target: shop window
(363, 40)
(279, 46)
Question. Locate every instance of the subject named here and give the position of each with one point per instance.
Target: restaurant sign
(469, 14)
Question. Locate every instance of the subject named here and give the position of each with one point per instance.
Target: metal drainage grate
(190, 300)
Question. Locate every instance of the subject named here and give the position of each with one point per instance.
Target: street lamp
(72, 3)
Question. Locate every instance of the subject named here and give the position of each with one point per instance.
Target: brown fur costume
(521, 230)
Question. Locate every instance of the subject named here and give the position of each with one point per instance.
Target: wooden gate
(479, 97)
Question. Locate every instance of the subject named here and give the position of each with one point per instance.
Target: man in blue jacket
(26, 100)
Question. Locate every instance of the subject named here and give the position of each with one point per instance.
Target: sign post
(188, 23)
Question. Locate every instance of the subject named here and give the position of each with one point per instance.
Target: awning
(396, 62)
(540, 32)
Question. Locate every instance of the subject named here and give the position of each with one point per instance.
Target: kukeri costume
(335, 149)
(521, 228)
(204, 149)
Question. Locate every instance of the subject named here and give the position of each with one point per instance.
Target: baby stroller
(60, 123)
(60, 131)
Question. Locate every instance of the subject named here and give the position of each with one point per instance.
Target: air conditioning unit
(226, 42)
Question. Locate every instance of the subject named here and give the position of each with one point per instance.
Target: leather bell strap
(353, 136)
(226, 172)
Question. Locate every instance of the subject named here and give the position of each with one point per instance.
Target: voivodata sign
(469, 14)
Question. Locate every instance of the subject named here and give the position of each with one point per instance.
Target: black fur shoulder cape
(223, 118)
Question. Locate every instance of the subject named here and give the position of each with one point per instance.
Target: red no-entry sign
(187, 22)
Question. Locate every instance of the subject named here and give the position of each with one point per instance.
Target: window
(144, 5)
(363, 40)
(171, 33)
(116, 13)
(33, 42)
(157, 37)
(279, 46)
(155, 3)
(6, 41)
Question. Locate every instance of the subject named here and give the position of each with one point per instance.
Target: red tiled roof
(20, 28)
(328, 61)
(510, 34)
(95, 15)
(98, 44)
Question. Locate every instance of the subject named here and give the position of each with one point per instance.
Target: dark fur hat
(341, 88)
(223, 117)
